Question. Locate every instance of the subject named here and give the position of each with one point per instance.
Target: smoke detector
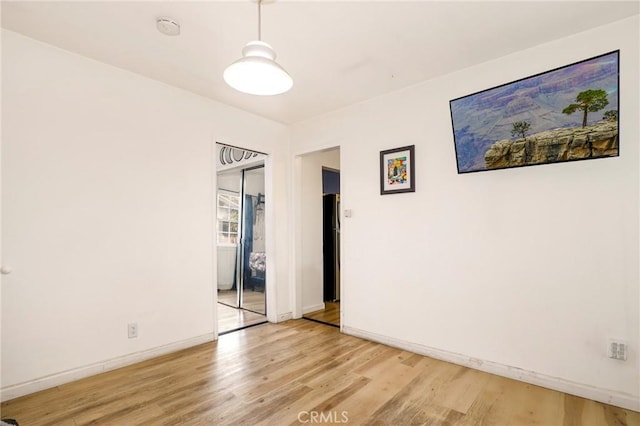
(168, 26)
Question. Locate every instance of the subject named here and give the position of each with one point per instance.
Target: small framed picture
(397, 170)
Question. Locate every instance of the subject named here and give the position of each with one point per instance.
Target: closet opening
(321, 232)
(240, 240)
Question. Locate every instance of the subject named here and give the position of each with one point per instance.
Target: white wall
(311, 227)
(531, 268)
(108, 184)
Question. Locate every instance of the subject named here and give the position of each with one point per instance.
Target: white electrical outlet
(617, 349)
(133, 330)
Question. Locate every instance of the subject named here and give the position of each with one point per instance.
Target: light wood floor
(233, 319)
(252, 300)
(281, 374)
(330, 314)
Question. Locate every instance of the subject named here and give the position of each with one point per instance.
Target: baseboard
(26, 388)
(606, 396)
(312, 308)
(285, 317)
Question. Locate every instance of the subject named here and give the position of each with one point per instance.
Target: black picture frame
(397, 170)
(569, 113)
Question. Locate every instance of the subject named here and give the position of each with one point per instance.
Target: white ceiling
(338, 52)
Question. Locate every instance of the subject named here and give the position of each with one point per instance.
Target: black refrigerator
(331, 246)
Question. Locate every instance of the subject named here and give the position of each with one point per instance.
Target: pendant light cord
(259, 20)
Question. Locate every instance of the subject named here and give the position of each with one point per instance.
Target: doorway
(320, 228)
(241, 250)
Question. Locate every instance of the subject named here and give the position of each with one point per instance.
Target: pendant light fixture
(257, 72)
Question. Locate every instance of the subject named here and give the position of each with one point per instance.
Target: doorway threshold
(321, 322)
(231, 318)
(242, 328)
(329, 315)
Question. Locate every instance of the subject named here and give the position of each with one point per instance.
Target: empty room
(320, 212)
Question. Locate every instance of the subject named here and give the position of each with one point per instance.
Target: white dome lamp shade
(257, 72)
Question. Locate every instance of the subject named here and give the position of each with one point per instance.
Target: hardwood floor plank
(436, 416)
(283, 377)
(386, 381)
(252, 300)
(460, 391)
(233, 318)
(341, 364)
(281, 374)
(417, 394)
(573, 410)
(412, 359)
(615, 416)
(330, 403)
(303, 405)
(330, 314)
(271, 404)
(379, 356)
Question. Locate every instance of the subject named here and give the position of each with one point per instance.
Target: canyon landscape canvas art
(566, 114)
